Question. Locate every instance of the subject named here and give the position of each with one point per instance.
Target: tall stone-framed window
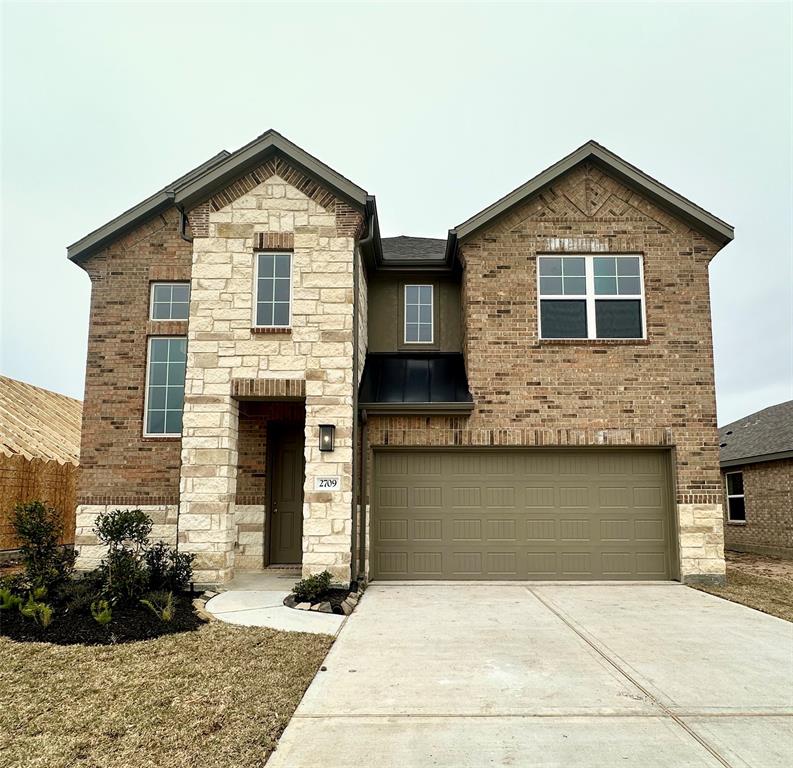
(272, 305)
(166, 363)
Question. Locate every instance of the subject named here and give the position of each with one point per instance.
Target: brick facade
(768, 496)
(527, 392)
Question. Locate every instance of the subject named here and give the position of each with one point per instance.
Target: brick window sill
(593, 342)
(163, 439)
(257, 331)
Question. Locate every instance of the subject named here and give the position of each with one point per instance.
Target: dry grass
(220, 696)
(763, 583)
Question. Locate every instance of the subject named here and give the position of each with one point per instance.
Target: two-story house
(530, 398)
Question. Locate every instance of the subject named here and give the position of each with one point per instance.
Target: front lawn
(216, 697)
(763, 583)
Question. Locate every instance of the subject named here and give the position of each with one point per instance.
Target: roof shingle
(764, 433)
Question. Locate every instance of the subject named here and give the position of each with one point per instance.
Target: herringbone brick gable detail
(275, 388)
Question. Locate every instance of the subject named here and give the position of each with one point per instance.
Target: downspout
(358, 509)
(183, 225)
(362, 496)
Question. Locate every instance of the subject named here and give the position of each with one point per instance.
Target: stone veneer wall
(654, 392)
(267, 211)
(768, 497)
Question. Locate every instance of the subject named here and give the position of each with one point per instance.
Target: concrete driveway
(473, 675)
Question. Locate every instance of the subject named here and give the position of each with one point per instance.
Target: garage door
(502, 514)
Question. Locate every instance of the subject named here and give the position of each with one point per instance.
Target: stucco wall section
(221, 346)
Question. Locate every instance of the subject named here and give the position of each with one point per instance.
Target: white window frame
(591, 297)
(255, 293)
(729, 496)
(146, 432)
(405, 313)
(151, 301)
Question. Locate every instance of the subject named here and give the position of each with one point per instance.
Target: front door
(286, 498)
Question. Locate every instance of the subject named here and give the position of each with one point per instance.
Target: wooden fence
(23, 480)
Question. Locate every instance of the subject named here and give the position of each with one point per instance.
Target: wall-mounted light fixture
(326, 436)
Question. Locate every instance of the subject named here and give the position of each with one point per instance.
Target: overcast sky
(437, 109)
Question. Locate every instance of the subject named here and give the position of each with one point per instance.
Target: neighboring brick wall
(120, 466)
(531, 392)
(768, 496)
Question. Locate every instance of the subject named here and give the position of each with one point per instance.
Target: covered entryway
(506, 514)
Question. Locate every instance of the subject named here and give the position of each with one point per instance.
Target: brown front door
(286, 499)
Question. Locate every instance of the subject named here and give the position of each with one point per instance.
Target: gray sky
(437, 109)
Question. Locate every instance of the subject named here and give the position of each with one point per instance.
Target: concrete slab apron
(519, 675)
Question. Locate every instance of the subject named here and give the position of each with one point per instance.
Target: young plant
(168, 568)
(125, 532)
(161, 605)
(39, 529)
(8, 600)
(309, 589)
(41, 613)
(101, 611)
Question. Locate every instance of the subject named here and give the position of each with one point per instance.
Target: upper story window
(736, 503)
(591, 297)
(419, 314)
(273, 290)
(165, 374)
(170, 301)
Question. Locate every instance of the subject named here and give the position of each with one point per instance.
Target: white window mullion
(590, 297)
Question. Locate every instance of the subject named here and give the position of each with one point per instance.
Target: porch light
(326, 433)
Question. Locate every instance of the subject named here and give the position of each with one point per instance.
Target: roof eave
(256, 152)
(759, 459)
(699, 218)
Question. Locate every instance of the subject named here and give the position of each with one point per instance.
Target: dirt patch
(214, 698)
(759, 582)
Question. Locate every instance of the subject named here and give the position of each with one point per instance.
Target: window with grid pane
(170, 301)
(591, 297)
(165, 374)
(418, 314)
(273, 290)
(736, 502)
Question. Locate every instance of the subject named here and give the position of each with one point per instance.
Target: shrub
(39, 529)
(125, 532)
(309, 589)
(77, 595)
(169, 569)
(123, 529)
(101, 611)
(160, 604)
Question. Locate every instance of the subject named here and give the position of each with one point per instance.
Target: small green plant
(125, 532)
(40, 612)
(101, 611)
(169, 569)
(39, 529)
(122, 528)
(310, 588)
(8, 600)
(160, 604)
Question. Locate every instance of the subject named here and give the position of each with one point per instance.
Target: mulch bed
(129, 624)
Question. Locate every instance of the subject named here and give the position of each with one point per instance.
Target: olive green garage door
(521, 514)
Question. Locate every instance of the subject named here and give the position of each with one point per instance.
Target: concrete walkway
(256, 599)
(472, 675)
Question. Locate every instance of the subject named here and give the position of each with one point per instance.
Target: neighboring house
(757, 464)
(530, 398)
(39, 453)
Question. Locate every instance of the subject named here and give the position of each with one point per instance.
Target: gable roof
(39, 424)
(213, 175)
(698, 217)
(763, 436)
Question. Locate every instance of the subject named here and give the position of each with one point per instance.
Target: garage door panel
(572, 522)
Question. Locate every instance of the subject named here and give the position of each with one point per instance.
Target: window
(591, 297)
(736, 505)
(272, 307)
(418, 314)
(170, 301)
(165, 373)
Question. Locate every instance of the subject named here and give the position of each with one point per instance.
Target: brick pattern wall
(118, 465)
(531, 392)
(768, 495)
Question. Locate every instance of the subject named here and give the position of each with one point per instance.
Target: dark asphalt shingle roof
(404, 248)
(769, 431)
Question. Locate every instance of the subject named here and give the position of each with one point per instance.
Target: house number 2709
(327, 483)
